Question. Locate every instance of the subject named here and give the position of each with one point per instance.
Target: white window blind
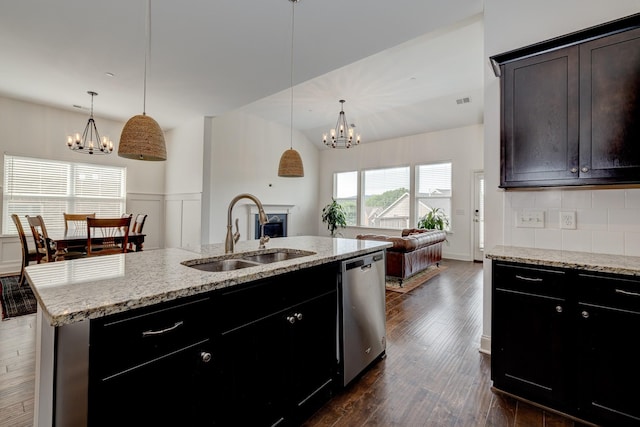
(346, 194)
(434, 189)
(50, 188)
(386, 198)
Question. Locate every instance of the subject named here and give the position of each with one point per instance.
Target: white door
(478, 216)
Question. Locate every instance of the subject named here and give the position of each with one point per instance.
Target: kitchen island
(205, 335)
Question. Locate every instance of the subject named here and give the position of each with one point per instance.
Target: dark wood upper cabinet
(570, 109)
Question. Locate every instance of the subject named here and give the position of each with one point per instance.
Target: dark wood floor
(433, 374)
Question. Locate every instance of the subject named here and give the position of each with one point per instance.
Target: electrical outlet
(568, 220)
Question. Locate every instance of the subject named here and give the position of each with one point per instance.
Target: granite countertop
(588, 261)
(88, 288)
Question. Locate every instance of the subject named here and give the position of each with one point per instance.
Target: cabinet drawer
(529, 279)
(264, 298)
(609, 291)
(121, 342)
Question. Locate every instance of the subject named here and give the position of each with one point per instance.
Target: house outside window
(50, 188)
(433, 189)
(346, 194)
(386, 202)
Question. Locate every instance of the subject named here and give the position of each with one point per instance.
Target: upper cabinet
(570, 109)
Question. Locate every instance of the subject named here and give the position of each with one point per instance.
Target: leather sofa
(412, 252)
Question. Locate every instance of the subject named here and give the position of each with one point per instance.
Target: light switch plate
(530, 218)
(568, 220)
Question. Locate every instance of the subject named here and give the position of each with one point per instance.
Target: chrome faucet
(232, 238)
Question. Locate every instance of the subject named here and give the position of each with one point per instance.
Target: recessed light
(109, 74)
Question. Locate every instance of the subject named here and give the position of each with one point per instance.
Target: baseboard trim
(485, 344)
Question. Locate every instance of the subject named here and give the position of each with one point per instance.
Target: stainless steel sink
(246, 259)
(223, 265)
(277, 255)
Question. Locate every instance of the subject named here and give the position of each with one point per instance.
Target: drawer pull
(585, 314)
(529, 279)
(559, 308)
(623, 292)
(162, 331)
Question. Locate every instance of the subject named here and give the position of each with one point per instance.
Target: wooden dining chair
(76, 222)
(28, 255)
(136, 227)
(107, 236)
(45, 247)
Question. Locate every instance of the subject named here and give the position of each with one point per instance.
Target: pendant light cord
(293, 20)
(146, 56)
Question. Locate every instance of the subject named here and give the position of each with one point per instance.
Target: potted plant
(335, 216)
(435, 219)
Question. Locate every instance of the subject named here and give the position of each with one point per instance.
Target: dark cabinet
(277, 348)
(608, 317)
(530, 326)
(152, 367)
(565, 339)
(569, 109)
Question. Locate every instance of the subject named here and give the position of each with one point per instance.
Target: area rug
(393, 284)
(16, 300)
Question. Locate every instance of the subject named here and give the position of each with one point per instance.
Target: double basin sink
(236, 261)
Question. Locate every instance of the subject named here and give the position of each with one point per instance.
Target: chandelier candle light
(90, 142)
(342, 135)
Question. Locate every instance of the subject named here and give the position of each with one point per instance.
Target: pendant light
(291, 163)
(142, 138)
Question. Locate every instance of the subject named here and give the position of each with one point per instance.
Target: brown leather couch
(411, 253)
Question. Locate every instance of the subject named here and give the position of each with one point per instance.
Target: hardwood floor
(433, 374)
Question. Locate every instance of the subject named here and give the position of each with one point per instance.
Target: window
(346, 194)
(433, 189)
(386, 198)
(50, 188)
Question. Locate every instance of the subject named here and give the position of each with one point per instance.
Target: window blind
(50, 188)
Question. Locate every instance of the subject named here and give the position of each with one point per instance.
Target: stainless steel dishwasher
(363, 322)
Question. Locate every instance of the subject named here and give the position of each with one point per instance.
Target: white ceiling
(400, 66)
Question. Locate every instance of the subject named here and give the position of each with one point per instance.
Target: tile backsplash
(607, 220)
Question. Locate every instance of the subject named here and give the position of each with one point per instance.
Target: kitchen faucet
(232, 238)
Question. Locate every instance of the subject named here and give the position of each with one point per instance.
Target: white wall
(510, 25)
(34, 130)
(462, 146)
(244, 152)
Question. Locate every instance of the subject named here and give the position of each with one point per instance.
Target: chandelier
(89, 142)
(342, 135)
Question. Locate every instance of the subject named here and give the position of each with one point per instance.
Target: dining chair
(45, 247)
(28, 255)
(76, 222)
(107, 236)
(136, 227)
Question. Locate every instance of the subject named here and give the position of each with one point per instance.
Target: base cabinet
(258, 354)
(565, 339)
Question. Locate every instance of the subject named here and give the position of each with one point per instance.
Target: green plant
(435, 219)
(335, 216)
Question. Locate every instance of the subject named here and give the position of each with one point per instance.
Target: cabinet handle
(559, 308)
(205, 356)
(574, 170)
(162, 331)
(623, 292)
(585, 314)
(584, 169)
(298, 316)
(291, 319)
(529, 279)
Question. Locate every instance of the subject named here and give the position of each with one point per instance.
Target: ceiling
(400, 66)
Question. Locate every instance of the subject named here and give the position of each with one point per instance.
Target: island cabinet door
(529, 334)
(608, 319)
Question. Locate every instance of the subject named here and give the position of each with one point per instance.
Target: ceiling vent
(464, 100)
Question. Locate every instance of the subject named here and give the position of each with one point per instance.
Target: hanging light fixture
(291, 163)
(89, 142)
(342, 135)
(142, 138)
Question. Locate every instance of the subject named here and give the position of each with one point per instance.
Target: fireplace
(276, 227)
(278, 216)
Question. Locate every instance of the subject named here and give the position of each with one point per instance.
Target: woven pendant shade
(291, 164)
(142, 139)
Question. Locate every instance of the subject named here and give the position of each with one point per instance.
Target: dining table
(74, 238)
